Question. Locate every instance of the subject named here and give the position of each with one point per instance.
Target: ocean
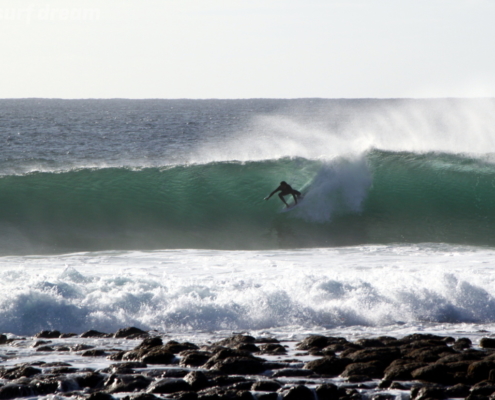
(151, 213)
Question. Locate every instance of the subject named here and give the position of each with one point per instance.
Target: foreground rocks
(423, 366)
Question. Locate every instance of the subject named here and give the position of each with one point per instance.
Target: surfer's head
(283, 183)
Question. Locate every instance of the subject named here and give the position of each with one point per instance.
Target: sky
(247, 48)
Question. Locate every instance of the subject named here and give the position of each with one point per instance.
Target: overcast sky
(247, 48)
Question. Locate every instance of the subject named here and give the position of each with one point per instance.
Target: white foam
(196, 290)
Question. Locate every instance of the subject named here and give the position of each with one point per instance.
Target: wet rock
(299, 392)
(327, 391)
(3, 339)
(313, 341)
(100, 396)
(429, 354)
(484, 388)
(169, 386)
(458, 391)
(93, 353)
(175, 347)
(487, 343)
(252, 348)
(131, 332)
(48, 334)
(126, 383)
(13, 391)
(292, 372)
(197, 380)
(148, 343)
(158, 355)
(372, 369)
(331, 366)
(435, 373)
(95, 334)
(465, 356)
(18, 372)
(369, 343)
(273, 348)
(236, 340)
(129, 365)
(194, 358)
(384, 354)
(428, 392)
(183, 396)
(462, 343)
(45, 348)
(90, 380)
(81, 347)
(400, 370)
(239, 365)
(265, 386)
(44, 386)
(479, 370)
(267, 396)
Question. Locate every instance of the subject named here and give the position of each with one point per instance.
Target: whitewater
(150, 213)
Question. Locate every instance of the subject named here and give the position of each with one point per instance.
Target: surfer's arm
(272, 193)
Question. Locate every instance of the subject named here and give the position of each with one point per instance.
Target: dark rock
(194, 358)
(126, 383)
(81, 347)
(117, 356)
(197, 380)
(128, 332)
(18, 372)
(225, 380)
(239, 365)
(435, 373)
(176, 347)
(265, 386)
(158, 355)
(169, 386)
(465, 356)
(67, 335)
(48, 334)
(331, 366)
(3, 339)
(184, 396)
(44, 386)
(267, 396)
(145, 396)
(235, 340)
(428, 392)
(13, 391)
(93, 353)
(224, 353)
(359, 378)
(369, 343)
(273, 348)
(292, 372)
(45, 348)
(400, 370)
(372, 369)
(252, 348)
(429, 354)
(487, 343)
(460, 391)
(383, 354)
(100, 396)
(129, 365)
(299, 392)
(484, 388)
(327, 391)
(479, 370)
(41, 343)
(317, 341)
(462, 343)
(94, 334)
(148, 343)
(91, 380)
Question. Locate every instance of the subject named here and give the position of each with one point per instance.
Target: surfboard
(291, 207)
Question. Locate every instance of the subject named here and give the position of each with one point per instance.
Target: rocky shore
(135, 365)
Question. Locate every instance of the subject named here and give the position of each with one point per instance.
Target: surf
(378, 197)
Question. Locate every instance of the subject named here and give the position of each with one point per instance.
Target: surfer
(284, 190)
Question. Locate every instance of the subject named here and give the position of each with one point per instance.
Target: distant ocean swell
(380, 197)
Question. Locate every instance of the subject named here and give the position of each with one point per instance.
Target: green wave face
(377, 198)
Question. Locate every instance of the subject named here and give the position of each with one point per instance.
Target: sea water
(150, 213)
